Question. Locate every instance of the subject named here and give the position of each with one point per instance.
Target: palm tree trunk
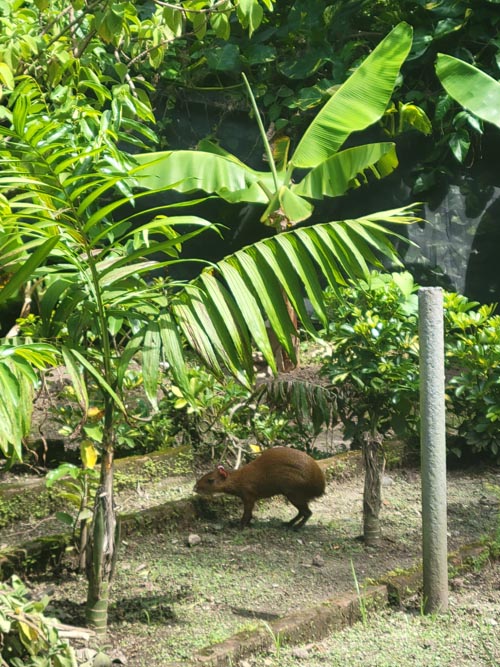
(102, 544)
(372, 496)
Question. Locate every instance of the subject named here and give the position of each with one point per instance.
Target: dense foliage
(374, 364)
(374, 355)
(304, 50)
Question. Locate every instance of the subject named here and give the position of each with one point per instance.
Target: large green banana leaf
(358, 103)
(470, 87)
(347, 169)
(187, 171)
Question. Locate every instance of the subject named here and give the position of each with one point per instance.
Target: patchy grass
(468, 634)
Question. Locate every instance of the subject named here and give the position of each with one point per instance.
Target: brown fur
(277, 471)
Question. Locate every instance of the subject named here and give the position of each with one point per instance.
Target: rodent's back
(282, 470)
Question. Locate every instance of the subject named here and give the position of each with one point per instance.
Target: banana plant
(284, 190)
(475, 90)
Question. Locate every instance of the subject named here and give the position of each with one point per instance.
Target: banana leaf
(470, 87)
(347, 169)
(188, 171)
(358, 103)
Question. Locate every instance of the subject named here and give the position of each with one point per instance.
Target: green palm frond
(17, 385)
(310, 402)
(294, 264)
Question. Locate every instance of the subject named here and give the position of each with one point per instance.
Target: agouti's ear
(222, 471)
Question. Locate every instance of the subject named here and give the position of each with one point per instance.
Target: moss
(26, 504)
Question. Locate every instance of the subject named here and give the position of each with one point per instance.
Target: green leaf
(460, 143)
(346, 170)
(25, 272)
(199, 22)
(65, 518)
(100, 379)
(294, 207)
(301, 261)
(151, 362)
(231, 327)
(77, 379)
(172, 349)
(188, 171)
(21, 109)
(470, 87)
(6, 75)
(269, 293)
(249, 307)
(250, 14)
(220, 24)
(358, 103)
(173, 18)
(224, 346)
(185, 314)
(64, 470)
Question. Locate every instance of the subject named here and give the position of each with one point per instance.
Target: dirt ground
(178, 590)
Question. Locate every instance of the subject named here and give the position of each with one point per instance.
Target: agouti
(277, 471)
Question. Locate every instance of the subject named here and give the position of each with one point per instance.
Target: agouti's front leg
(248, 505)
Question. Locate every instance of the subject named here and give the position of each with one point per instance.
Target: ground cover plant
(464, 636)
(29, 637)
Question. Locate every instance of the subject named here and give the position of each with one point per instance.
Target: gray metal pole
(433, 450)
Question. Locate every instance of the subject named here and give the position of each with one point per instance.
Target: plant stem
(263, 134)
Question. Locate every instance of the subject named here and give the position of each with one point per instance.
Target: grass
(467, 635)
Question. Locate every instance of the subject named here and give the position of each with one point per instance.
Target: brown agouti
(277, 471)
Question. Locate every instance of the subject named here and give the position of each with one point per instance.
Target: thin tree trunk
(84, 527)
(102, 549)
(372, 496)
(284, 363)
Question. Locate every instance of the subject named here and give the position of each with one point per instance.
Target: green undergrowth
(29, 504)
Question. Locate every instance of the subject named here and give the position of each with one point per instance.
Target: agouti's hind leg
(299, 520)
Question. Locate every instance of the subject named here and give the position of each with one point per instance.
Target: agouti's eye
(210, 481)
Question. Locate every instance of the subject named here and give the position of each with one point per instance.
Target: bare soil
(180, 589)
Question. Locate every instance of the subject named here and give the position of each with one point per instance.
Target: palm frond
(310, 402)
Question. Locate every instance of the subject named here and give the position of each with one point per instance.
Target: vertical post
(433, 450)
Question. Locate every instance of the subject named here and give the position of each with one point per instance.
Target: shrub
(29, 639)
(374, 355)
(373, 362)
(473, 390)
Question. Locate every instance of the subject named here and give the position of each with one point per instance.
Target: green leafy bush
(373, 363)
(473, 391)
(29, 639)
(218, 414)
(374, 355)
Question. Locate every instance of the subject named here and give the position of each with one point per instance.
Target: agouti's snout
(277, 471)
